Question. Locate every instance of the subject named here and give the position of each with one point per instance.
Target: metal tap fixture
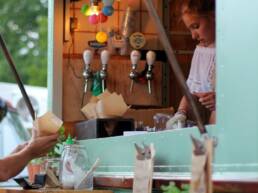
(105, 55)
(150, 58)
(135, 57)
(87, 74)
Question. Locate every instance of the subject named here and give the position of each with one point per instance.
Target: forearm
(19, 148)
(183, 106)
(13, 164)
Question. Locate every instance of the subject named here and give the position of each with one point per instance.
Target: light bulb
(94, 9)
(101, 37)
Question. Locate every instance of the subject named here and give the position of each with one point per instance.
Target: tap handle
(150, 57)
(135, 57)
(105, 56)
(87, 58)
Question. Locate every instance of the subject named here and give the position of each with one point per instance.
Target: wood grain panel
(175, 21)
(86, 31)
(120, 68)
(182, 42)
(175, 90)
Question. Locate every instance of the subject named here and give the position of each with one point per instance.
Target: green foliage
(24, 28)
(56, 151)
(172, 188)
(37, 161)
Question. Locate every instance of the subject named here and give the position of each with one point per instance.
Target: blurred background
(24, 28)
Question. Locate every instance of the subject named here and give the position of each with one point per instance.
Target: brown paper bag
(93, 99)
(201, 180)
(143, 173)
(89, 111)
(111, 106)
(106, 105)
(103, 95)
(47, 124)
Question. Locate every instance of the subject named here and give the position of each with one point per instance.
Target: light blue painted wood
(117, 154)
(55, 56)
(237, 69)
(50, 74)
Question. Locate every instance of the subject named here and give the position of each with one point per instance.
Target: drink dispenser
(150, 58)
(135, 58)
(104, 56)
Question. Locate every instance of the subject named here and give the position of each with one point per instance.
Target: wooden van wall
(120, 66)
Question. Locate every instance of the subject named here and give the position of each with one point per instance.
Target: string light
(95, 13)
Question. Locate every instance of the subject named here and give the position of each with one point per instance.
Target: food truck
(90, 53)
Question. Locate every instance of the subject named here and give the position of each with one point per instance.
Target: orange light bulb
(101, 37)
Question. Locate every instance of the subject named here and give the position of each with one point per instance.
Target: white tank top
(202, 73)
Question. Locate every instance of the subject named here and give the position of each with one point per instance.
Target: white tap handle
(150, 57)
(105, 55)
(135, 57)
(87, 57)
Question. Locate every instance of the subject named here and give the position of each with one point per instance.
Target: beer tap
(87, 74)
(135, 57)
(150, 57)
(103, 72)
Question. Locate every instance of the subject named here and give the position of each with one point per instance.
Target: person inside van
(199, 17)
(14, 163)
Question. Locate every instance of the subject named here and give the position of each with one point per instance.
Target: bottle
(73, 164)
(66, 175)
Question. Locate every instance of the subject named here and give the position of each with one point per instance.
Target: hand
(207, 99)
(39, 146)
(172, 123)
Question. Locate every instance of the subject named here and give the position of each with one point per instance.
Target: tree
(23, 24)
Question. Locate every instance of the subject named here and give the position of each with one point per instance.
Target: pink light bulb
(93, 19)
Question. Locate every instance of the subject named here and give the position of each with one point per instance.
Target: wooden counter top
(20, 190)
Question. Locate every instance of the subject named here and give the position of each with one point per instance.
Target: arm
(19, 148)
(14, 163)
(179, 118)
(183, 106)
(212, 119)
